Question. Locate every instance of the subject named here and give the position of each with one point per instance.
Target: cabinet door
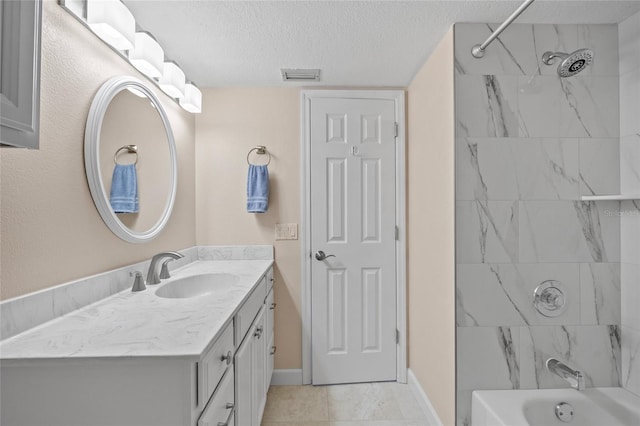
(269, 340)
(242, 365)
(270, 307)
(214, 364)
(271, 354)
(259, 364)
(219, 410)
(21, 23)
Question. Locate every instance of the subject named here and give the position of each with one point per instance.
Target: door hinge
(397, 234)
(397, 336)
(395, 130)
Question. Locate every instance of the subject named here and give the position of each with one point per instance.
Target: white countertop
(142, 324)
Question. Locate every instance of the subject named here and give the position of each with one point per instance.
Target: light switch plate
(286, 231)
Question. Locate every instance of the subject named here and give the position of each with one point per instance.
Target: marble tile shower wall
(629, 46)
(528, 145)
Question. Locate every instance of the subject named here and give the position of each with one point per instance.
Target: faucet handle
(138, 282)
(164, 271)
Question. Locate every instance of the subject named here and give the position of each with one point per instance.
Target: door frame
(398, 97)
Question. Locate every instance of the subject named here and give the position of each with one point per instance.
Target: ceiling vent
(290, 74)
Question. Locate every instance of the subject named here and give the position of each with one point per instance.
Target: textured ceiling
(363, 43)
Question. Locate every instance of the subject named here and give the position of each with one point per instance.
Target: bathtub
(592, 407)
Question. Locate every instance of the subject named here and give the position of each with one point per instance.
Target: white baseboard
(286, 377)
(423, 400)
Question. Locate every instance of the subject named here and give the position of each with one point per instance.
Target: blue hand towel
(124, 189)
(257, 189)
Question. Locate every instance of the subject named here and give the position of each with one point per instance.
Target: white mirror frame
(99, 106)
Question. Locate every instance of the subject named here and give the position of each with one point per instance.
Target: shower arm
(548, 57)
(478, 50)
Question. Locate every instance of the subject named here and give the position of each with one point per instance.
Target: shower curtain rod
(478, 50)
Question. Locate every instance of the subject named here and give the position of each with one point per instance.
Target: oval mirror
(129, 139)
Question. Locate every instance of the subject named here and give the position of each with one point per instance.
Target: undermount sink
(196, 285)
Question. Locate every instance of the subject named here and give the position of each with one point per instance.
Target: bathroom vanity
(142, 359)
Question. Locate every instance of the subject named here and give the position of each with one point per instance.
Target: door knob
(320, 255)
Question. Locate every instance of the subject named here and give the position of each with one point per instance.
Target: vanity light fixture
(147, 55)
(112, 21)
(172, 82)
(192, 100)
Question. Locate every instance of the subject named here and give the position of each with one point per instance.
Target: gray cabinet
(20, 72)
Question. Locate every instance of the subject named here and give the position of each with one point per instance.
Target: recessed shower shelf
(610, 197)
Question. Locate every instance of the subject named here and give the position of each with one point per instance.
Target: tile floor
(374, 404)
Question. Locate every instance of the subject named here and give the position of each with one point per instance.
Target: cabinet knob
(258, 332)
(229, 406)
(273, 306)
(228, 357)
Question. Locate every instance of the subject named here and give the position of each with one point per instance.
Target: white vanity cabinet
(225, 385)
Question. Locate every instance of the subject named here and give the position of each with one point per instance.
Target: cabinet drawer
(220, 409)
(214, 364)
(245, 316)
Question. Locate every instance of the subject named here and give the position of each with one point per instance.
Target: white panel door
(353, 221)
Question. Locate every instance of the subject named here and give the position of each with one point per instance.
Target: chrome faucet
(152, 275)
(574, 377)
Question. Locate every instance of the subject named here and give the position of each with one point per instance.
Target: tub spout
(574, 377)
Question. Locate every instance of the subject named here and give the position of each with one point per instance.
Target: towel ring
(261, 150)
(131, 149)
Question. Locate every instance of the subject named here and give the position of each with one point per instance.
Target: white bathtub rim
(511, 402)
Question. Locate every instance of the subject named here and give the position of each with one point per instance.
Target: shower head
(572, 63)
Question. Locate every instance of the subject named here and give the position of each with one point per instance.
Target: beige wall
(233, 121)
(431, 261)
(50, 230)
